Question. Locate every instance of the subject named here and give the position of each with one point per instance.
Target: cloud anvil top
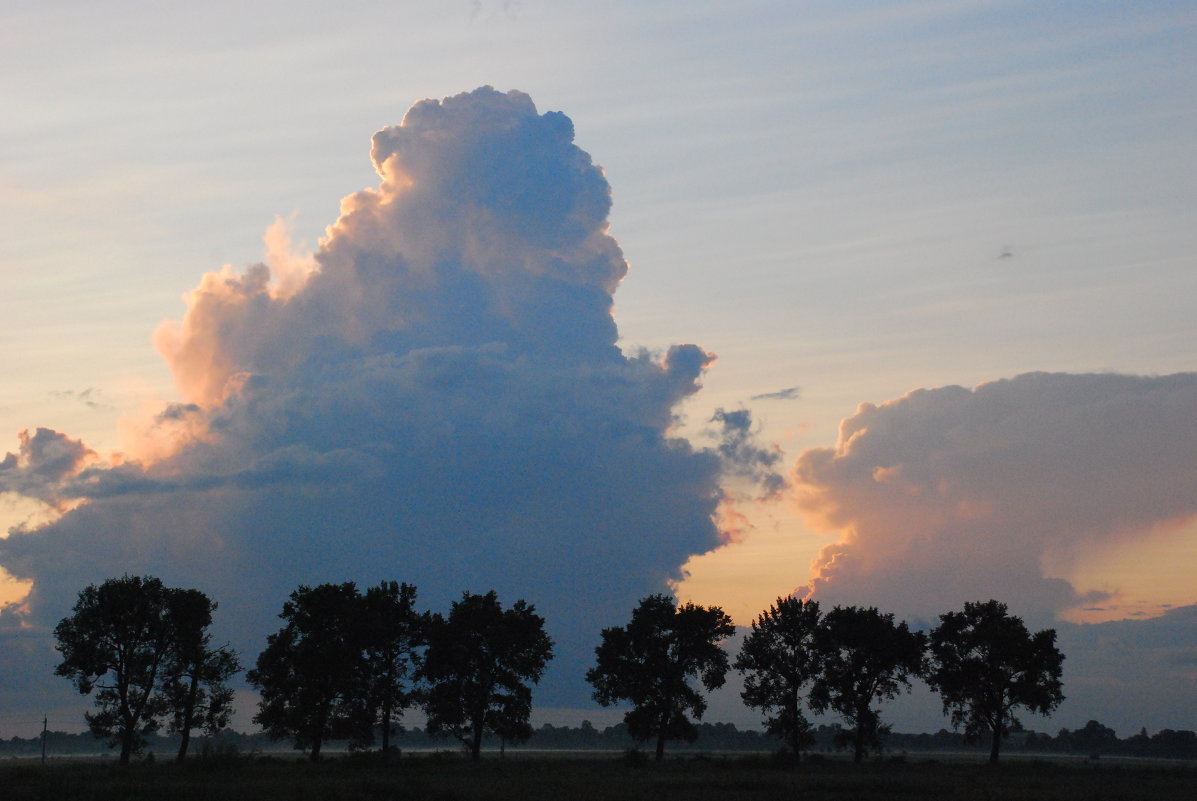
(435, 395)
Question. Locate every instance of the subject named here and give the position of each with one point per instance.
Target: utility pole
(45, 720)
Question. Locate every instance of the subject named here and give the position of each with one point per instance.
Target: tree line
(1094, 741)
(982, 660)
(347, 664)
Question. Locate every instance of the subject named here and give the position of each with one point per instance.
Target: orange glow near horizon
(1147, 576)
(769, 556)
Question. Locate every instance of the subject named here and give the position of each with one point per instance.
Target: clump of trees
(394, 633)
(654, 660)
(982, 660)
(346, 665)
(312, 674)
(985, 663)
(146, 650)
(779, 661)
(845, 661)
(480, 661)
(864, 658)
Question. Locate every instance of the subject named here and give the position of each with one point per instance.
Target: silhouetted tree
(779, 659)
(1137, 744)
(392, 634)
(478, 666)
(116, 640)
(864, 657)
(310, 672)
(984, 663)
(1093, 739)
(651, 661)
(1174, 744)
(195, 675)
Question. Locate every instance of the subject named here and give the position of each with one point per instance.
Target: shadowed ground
(530, 778)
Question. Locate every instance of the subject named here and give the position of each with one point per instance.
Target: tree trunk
(126, 744)
(660, 746)
(795, 714)
(858, 744)
(318, 729)
(386, 726)
(476, 742)
(996, 746)
(128, 724)
(184, 740)
(188, 712)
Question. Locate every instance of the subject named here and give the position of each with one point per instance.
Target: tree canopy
(652, 661)
(146, 648)
(116, 641)
(392, 633)
(310, 671)
(779, 659)
(196, 675)
(865, 657)
(985, 663)
(479, 664)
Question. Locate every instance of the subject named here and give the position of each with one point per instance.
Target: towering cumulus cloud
(948, 495)
(436, 397)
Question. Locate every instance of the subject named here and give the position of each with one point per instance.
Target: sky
(887, 303)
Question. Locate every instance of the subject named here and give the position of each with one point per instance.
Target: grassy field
(607, 778)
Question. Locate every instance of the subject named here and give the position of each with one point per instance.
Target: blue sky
(855, 201)
(784, 174)
(799, 187)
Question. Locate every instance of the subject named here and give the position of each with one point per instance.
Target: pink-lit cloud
(950, 494)
(43, 461)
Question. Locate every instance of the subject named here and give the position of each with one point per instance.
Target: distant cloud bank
(950, 494)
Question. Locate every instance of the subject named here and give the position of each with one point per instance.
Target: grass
(544, 778)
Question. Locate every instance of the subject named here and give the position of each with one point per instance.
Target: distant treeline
(1094, 740)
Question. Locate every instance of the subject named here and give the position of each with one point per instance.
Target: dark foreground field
(528, 778)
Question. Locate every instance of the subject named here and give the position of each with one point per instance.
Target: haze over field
(909, 322)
